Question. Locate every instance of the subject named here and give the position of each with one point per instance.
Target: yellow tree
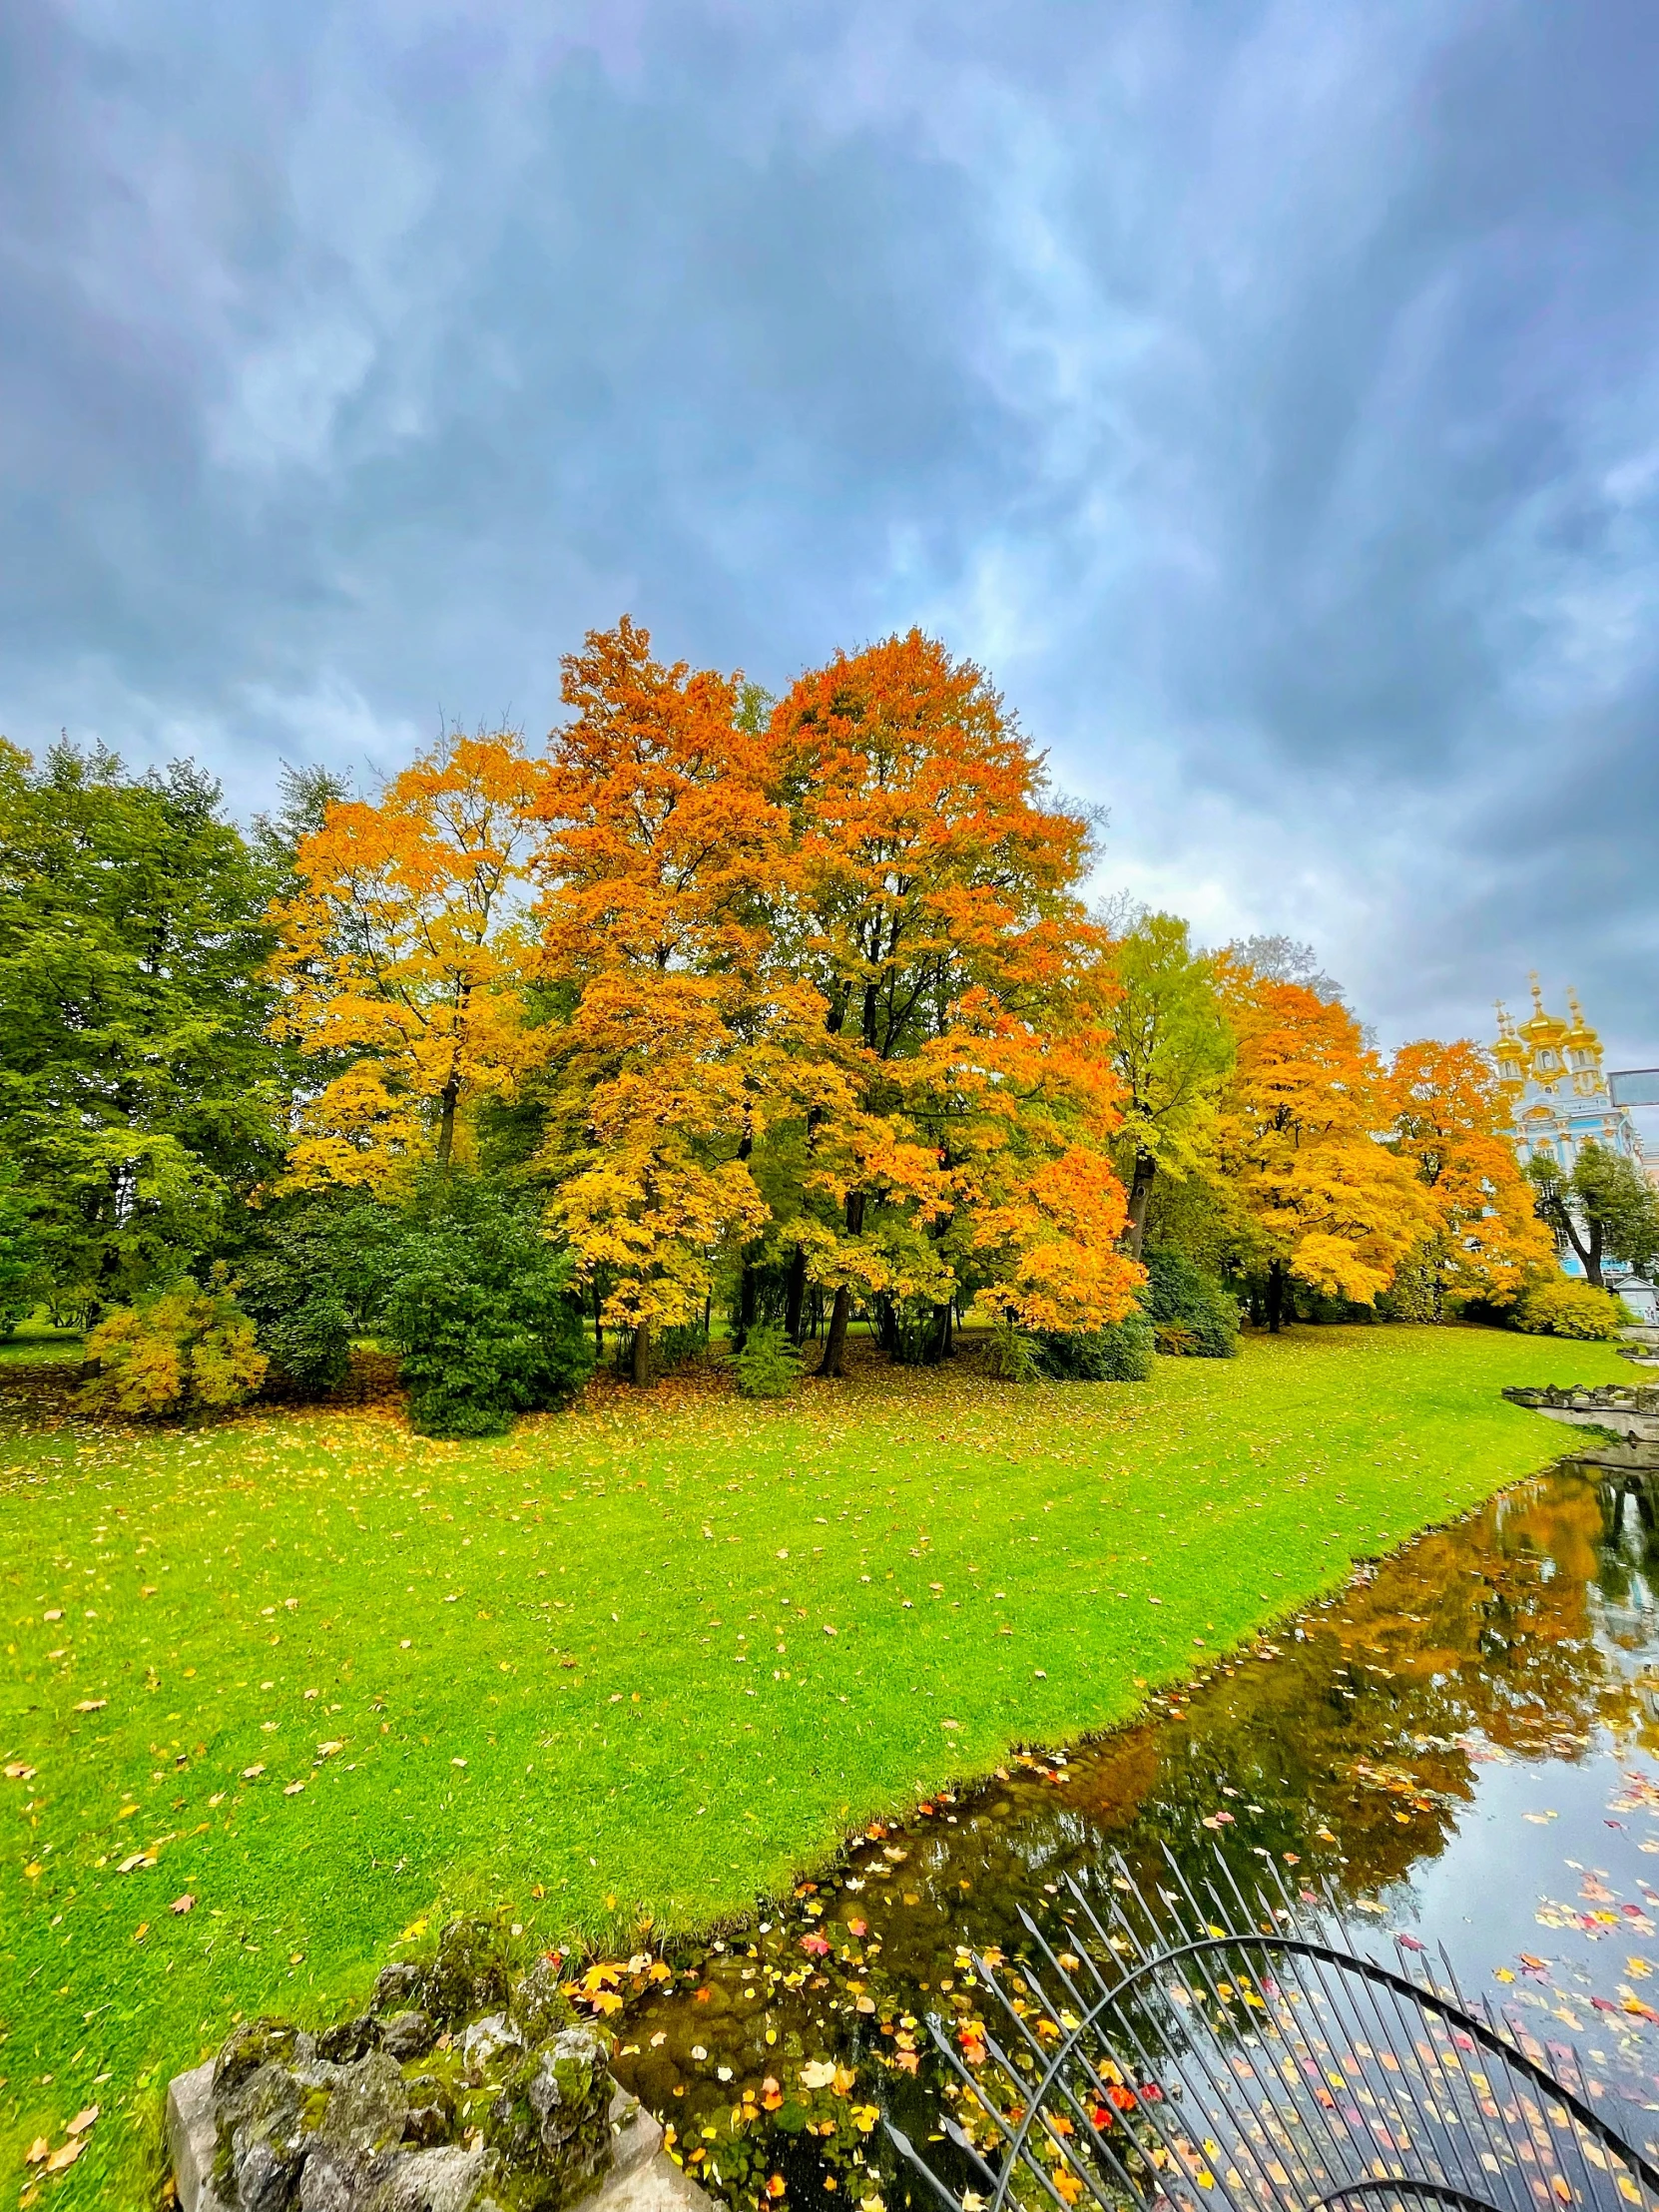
(657, 847)
(1301, 1132)
(1448, 1121)
(401, 956)
(1172, 1050)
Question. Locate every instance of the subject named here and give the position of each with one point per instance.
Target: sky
(1266, 395)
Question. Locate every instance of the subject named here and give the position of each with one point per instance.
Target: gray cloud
(1266, 392)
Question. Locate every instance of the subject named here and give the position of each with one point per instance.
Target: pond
(1462, 1742)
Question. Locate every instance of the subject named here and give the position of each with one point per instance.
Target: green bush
(292, 1288)
(1191, 1314)
(1566, 1308)
(769, 1366)
(482, 1314)
(176, 1352)
(1120, 1353)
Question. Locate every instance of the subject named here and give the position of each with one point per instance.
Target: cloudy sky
(1266, 390)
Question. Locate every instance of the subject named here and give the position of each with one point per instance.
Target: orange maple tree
(1299, 1141)
(659, 846)
(401, 956)
(1449, 1119)
(932, 904)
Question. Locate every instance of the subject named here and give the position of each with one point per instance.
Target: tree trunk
(886, 1326)
(795, 1296)
(1592, 1258)
(598, 1327)
(1140, 1193)
(446, 1122)
(939, 1341)
(642, 1356)
(746, 1303)
(1275, 1296)
(835, 1343)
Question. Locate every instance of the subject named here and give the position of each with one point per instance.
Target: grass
(588, 1673)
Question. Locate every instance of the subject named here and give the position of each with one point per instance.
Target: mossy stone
(469, 1974)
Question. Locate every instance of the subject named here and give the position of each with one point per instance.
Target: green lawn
(634, 1663)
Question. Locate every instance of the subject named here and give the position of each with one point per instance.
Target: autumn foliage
(803, 996)
(1332, 1205)
(403, 956)
(1484, 1235)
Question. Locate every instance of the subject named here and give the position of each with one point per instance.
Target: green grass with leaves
(624, 1669)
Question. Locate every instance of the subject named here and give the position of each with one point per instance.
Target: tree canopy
(790, 1004)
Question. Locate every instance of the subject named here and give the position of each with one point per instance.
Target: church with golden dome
(1550, 1072)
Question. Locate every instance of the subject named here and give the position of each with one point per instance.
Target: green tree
(1604, 1210)
(138, 1095)
(1172, 1049)
(484, 1309)
(19, 1252)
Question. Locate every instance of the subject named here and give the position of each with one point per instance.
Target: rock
(489, 2050)
(368, 2109)
(255, 2044)
(326, 2185)
(506, 2103)
(408, 2036)
(551, 2122)
(348, 2040)
(431, 2113)
(470, 1973)
(539, 2005)
(396, 1986)
(263, 2135)
(190, 2139)
(446, 2180)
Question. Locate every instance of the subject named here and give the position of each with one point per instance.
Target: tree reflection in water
(1354, 1745)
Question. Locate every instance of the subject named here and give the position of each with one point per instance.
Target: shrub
(769, 1366)
(178, 1351)
(1013, 1355)
(1564, 1307)
(315, 1279)
(481, 1314)
(1122, 1352)
(1191, 1317)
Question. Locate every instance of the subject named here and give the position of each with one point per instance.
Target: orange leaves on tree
(402, 958)
(659, 841)
(932, 905)
(1449, 1119)
(1299, 1141)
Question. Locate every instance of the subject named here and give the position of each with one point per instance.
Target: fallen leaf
(252, 1774)
(92, 1704)
(37, 2151)
(186, 1903)
(18, 1772)
(818, 2073)
(82, 2121)
(65, 2155)
(293, 1788)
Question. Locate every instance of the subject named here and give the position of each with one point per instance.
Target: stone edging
(642, 2176)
